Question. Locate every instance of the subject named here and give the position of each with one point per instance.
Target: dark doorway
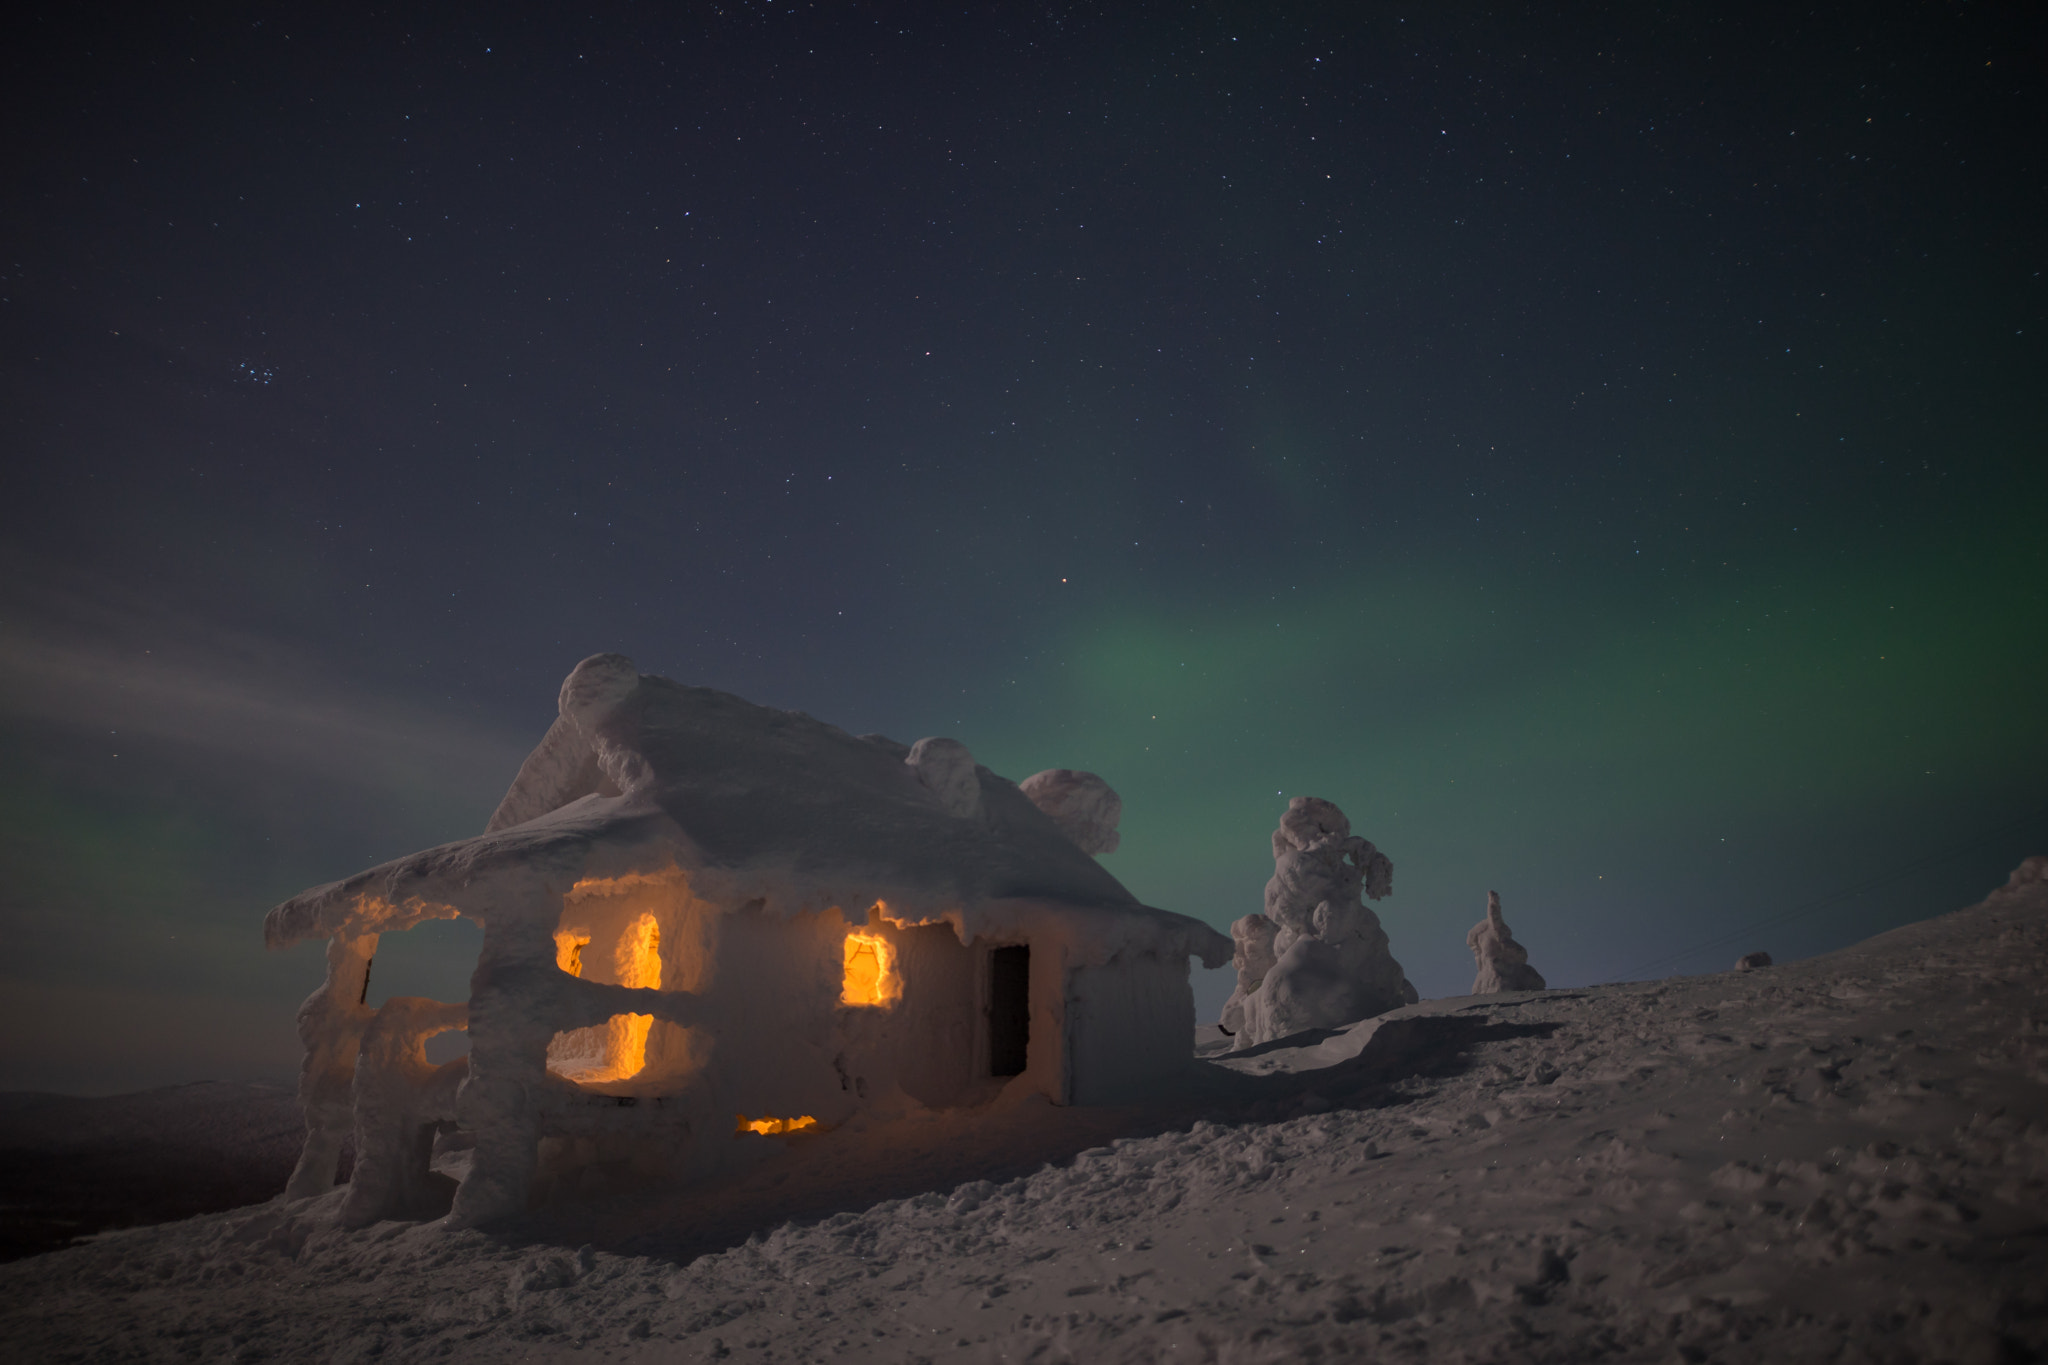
(1009, 1009)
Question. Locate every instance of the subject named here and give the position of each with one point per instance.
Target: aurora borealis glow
(1604, 455)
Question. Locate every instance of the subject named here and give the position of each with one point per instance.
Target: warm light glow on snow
(774, 1127)
(871, 976)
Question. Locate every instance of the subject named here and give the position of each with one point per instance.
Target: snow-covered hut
(705, 920)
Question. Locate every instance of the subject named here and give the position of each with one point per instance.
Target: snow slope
(71, 1164)
(1839, 1159)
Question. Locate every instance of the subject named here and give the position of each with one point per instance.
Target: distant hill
(70, 1166)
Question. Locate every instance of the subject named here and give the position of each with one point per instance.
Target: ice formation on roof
(1081, 804)
(774, 805)
(948, 771)
(1503, 963)
(1317, 957)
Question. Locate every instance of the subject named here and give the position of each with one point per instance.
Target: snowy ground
(1839, 1159)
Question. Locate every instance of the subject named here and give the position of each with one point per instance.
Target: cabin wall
(783, 1045)
(1099, 1035)
(771, 1008)
(1045, 1069)
(1128, 1028)
(773, 1038)
(925, 1044)
(605, 913)
(689, 954)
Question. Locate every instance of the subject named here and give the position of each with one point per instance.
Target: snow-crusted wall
(1128, 1024)
(740, 1017)
(668, 892)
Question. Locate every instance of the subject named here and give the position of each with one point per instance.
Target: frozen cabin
(708, 923)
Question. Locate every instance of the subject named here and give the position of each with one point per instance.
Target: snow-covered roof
(641, 773)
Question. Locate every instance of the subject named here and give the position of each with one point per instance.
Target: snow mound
(1317, 957)
(1503, 963)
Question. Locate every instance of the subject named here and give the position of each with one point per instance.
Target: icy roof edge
(602, 838)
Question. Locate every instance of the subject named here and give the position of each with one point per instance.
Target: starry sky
(1599, 447)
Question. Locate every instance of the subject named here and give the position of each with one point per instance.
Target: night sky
(1600, 449)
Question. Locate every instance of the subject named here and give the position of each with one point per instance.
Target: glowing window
(569, 946)
(774, 1127)
(615, 1050)
(871, 975)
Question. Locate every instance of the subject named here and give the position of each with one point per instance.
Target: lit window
(569, 946)
(615, 1050)
(774, 1127)
(871, 975)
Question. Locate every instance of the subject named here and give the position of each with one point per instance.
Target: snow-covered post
(509, 1028)
(331, 1024)
(399, 1098)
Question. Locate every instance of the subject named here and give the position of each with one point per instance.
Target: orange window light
(639, 963)
(569, 946)
(774, 1127)
(615, 1050)
(871, 975)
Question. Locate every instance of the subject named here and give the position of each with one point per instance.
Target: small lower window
(774, 1127)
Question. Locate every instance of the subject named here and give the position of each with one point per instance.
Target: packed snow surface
(1839, 1159)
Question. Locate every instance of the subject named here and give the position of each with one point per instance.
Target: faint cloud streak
(112, 663)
